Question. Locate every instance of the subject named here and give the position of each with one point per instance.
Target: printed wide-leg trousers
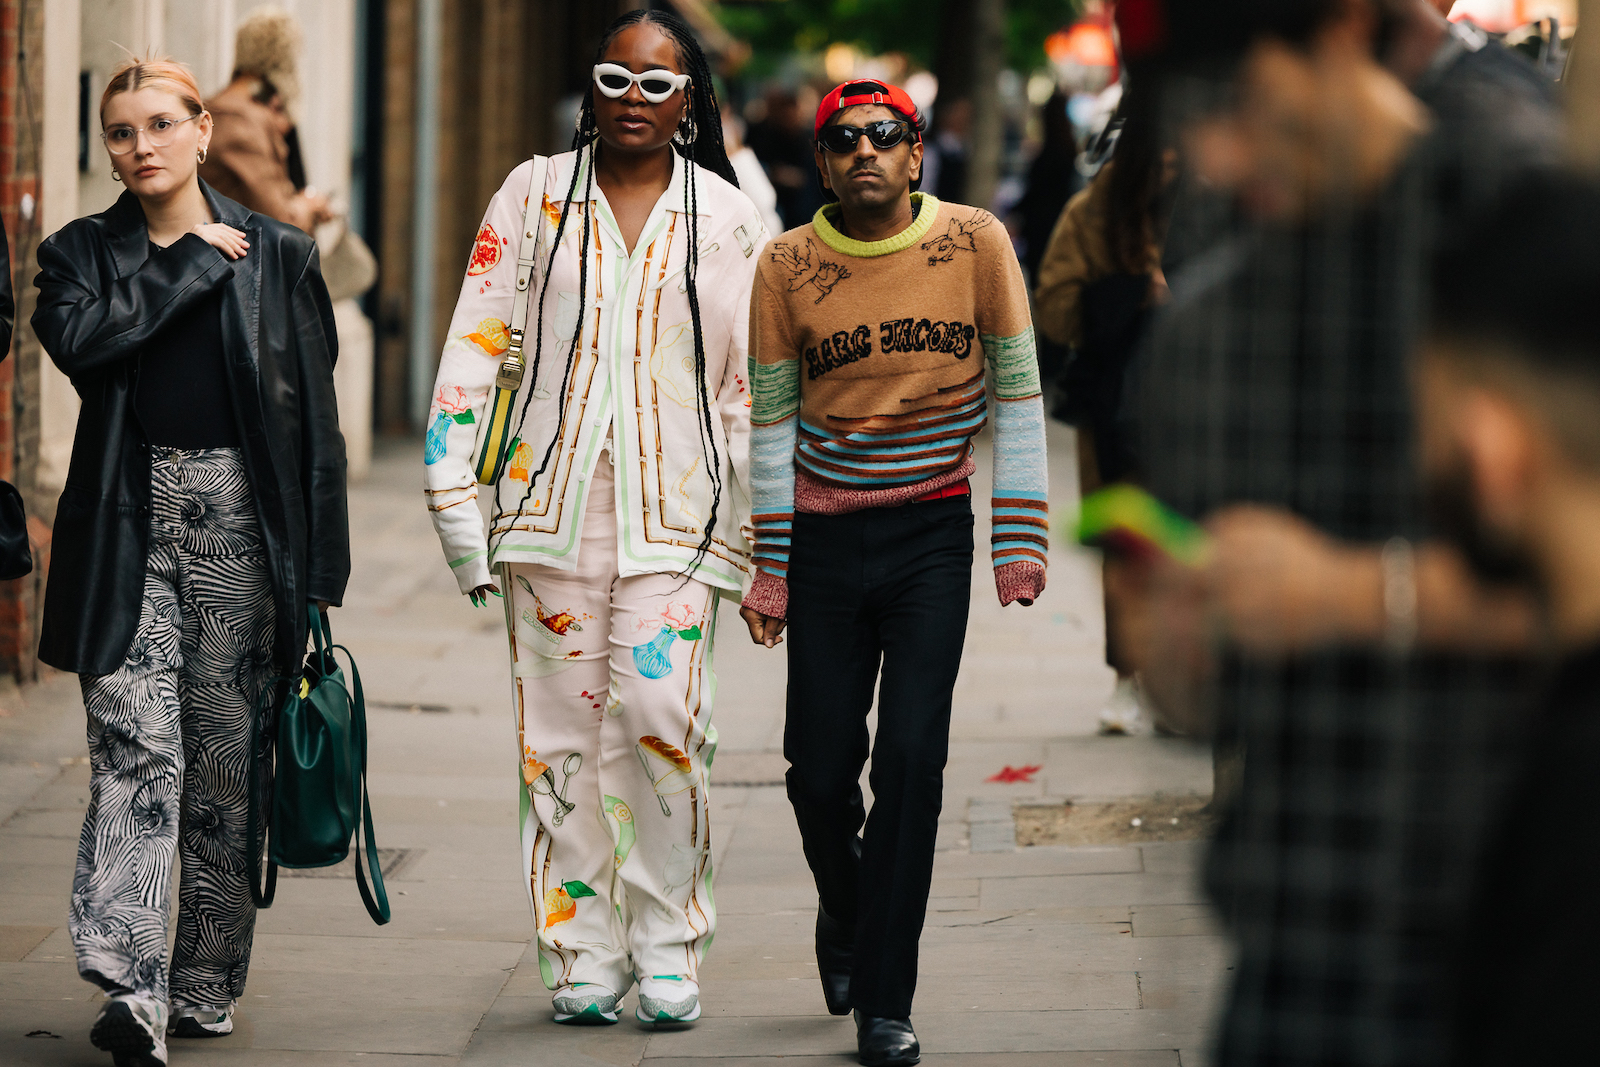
(169, 747)
(613, 690)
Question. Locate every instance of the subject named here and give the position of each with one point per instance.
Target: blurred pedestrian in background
(255, 153)
(1509, 399)
(878, 332)
(204, 509)
(946, 158)
(618, 522)
(753, 180)
(1097, 284)
(1279, 378)
(782, 141)
(1052, 179)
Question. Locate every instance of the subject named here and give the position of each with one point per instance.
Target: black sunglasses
(885, 133)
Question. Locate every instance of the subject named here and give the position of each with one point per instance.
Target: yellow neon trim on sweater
(927, 206)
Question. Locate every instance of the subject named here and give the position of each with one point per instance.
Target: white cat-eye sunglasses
(655, 85)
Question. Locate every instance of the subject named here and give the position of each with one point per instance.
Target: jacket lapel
(127, 234)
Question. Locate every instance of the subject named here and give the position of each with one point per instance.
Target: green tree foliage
(777, 29)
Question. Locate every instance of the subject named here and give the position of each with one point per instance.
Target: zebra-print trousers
(169, 747)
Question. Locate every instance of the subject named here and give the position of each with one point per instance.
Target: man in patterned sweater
(871, 332)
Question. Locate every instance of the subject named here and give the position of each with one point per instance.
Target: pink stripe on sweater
(816, 497)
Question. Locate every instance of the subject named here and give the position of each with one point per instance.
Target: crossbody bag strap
(512, 367)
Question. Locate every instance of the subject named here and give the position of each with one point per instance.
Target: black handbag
(16, 559)
(319, 793)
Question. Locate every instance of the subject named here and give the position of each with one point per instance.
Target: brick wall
(21, 88)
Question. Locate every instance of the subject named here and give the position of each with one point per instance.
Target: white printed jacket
(632, 383)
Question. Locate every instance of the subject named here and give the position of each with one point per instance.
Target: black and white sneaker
(201, 1020)
(133, 1028)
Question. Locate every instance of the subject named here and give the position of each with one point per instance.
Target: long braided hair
(699, 141)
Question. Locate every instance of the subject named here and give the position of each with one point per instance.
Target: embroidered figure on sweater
(956, 238)
(808, 267)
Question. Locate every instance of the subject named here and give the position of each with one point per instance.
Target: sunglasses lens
(886, 134)
(656, 86)
(615, 82)
(839, 139)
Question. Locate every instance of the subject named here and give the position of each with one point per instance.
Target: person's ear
(822, 168)
(916, 161)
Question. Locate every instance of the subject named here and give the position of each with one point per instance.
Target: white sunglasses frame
(601, 69)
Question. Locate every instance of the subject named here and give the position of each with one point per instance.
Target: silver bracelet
(1399, 562)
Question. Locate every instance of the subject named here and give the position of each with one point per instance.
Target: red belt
(961, 488)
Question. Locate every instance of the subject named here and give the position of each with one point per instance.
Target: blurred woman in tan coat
(1098, 280)
(255, 157)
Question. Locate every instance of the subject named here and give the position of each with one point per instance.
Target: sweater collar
(926, 205)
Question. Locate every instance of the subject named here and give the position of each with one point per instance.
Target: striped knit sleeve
(1021, 486)
(774, 432)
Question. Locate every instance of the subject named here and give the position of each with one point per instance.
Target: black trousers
(877, 599)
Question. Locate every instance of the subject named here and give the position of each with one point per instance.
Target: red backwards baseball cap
(867, 92)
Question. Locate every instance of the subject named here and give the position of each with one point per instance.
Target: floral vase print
(654, 658)
(670, 771)
(561, 903)
(453, 410)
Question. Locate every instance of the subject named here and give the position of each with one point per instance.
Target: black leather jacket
(102, 297)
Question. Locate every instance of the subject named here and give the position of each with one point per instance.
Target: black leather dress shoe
(886, 1042)
(836, 950)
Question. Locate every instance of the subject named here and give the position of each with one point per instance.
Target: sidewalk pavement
(1051, 955)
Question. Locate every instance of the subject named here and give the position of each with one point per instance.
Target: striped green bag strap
(494, 433)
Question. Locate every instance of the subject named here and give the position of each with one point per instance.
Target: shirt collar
(673, 197)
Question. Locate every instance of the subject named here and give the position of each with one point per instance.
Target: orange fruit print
(485, 251)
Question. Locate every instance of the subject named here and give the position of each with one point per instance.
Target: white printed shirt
(631, 388)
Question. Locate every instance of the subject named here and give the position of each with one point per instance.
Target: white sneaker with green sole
(668, 1000)
(585, 1004)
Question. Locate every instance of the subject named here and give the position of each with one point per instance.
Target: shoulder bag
(319, 792)
(16, 559)
(494, 434)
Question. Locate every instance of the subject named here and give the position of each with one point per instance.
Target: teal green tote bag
(319, 775)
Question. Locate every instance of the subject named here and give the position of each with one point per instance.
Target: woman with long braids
(620, 517)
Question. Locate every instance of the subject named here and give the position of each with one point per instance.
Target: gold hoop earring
(201, 155)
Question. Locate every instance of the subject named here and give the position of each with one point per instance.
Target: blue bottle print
(435, 446)
(653, 659)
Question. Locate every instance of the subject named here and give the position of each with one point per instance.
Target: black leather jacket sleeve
(322, 445)
(86, 329)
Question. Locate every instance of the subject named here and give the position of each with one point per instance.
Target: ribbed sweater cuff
(1015, 581)
(769, 595)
